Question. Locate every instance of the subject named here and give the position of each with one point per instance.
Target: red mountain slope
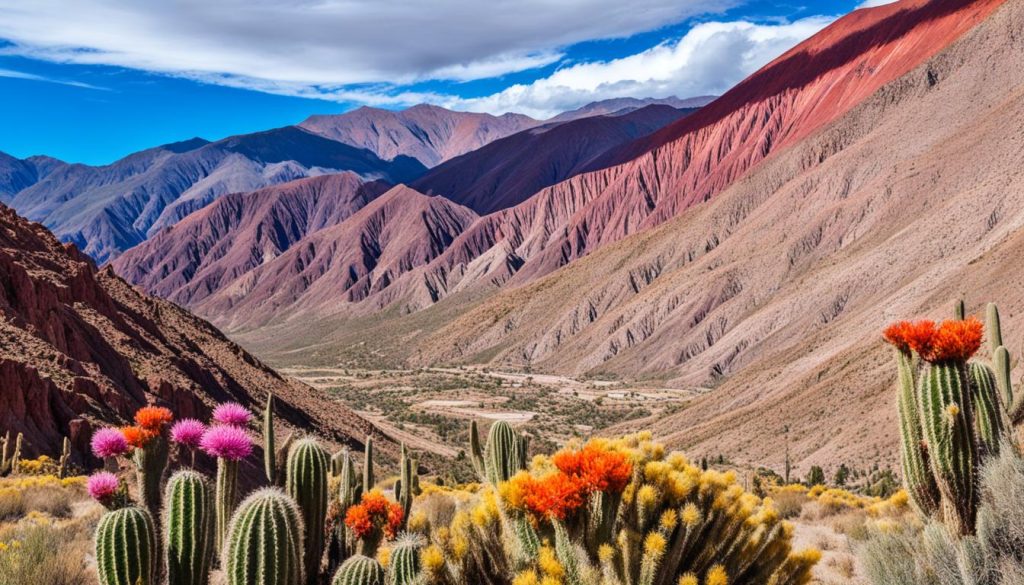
(397, 232)
(79, 346)
(212, 247)
(695, 158)
(508, 171)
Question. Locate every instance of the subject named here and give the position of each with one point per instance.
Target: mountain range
(747, 248)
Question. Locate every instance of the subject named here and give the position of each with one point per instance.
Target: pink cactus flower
(109, 442)
(188, 432)
(226, 442)
(232, 414)
(103, 486)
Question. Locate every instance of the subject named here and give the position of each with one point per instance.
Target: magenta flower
(232, 414)
(109, 442)
(226, 442)
(188, 432)
(103, 486)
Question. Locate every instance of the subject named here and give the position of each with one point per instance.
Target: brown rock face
(80, 347)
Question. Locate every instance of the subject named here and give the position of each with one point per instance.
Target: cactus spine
(189, 519)
(944, 398)
(359, 570)
(126, 548)
(306, 483)
(265, 541)
(914, 457)
(988, 413)
(227, 488)
(404, 567)
(269, 454)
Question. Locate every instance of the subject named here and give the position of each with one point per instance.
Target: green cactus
(1001, 365)
(944, 399)
(65, 458)
(959, 310)
(150, 465)
(921, 487)
(265, 541)
(126, 548)
(988, 413)
(505, 453)
(306, 483)
(269, 454)
(368, 479)
(404, 566)
(406, 485)
(10, 457)
(993, 327)
(225, 498)
(349, 492)
(359, 570)
(189, 519)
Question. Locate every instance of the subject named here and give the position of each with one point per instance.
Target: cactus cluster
(617, 512)
(10, 454)
(954, 411)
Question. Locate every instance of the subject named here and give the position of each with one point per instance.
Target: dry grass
(45, 531)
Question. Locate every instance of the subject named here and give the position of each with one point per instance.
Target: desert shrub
(45, 494)
(789, 502)
(37, 552)
(935, 555)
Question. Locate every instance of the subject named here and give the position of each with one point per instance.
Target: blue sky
(93, 80)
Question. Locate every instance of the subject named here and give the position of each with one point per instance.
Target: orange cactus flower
(372, 512)
(153, 418)
(555, 496)
(955, 340)
(950, 340)
(137, 436)
(911, 335)
(598, 469)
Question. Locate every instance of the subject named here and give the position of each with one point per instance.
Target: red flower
(137, 436)
(952, 340)
(374, 511)
(153, 418)
(955, 340)
(907, 336)
(556, 496)
(597, 469)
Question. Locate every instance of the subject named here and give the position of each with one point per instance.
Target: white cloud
(873, 3)
(327, 43)
(709, 59)
(33, 77)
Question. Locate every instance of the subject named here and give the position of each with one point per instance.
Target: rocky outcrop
(430, 134)
(80, 347)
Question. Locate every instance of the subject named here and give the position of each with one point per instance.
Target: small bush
(40, 553)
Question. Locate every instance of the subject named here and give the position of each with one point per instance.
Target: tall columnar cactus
(359, 570)
(988, 412)
(959, 310)
(269, 454)
(350, 490)
(993, 327)
(11, 455)
(406, 485)
(914, 456)
(306, 483)
(504, 455)
(150, 463)
(1001, 365)
(126, 550)
(265, 541)
(189, 525)
(404, 566)
(65, 458)
(368, 479)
